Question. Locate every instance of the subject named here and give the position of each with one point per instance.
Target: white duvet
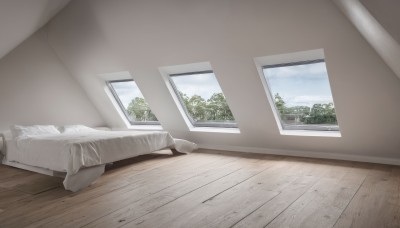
(72, 152)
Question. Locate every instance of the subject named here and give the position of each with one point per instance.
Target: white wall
(99, 36)
(35, 88)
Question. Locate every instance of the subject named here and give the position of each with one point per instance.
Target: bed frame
(76, 182)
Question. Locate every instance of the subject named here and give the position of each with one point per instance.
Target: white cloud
(204, 85)
(308, 100)
(127, 91)
(315, 70)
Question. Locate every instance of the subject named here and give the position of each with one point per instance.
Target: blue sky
(300, 85)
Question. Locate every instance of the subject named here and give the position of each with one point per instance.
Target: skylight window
(132, 102)
(302, 96)
(202, 99)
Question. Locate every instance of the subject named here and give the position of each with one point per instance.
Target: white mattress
(71, 152)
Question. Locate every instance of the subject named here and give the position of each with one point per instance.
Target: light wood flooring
(212, 189)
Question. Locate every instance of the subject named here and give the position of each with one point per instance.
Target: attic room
(213, 113)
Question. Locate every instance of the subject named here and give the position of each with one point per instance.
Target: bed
(79, 153)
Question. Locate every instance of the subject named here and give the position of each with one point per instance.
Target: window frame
(121, 106)
(287, 127)
(182, 103)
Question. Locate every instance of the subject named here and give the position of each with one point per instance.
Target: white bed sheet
(71, 152)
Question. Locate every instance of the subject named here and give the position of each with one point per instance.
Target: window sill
(216, 130)
(311, 133)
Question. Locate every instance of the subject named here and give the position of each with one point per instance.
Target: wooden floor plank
(144, 184)
(107, 183)
(232, 205)
(269, 211)
(15, 179)
(148, 204)
(212, 189)
(169, 212)
(377, 203)
(322, 205)
(16, 211)
(9, 196)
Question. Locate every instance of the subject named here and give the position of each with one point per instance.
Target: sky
(204, 85)
(301, 85)
(126, 91)
(298, 85)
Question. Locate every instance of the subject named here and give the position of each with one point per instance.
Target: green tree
(185, 98)
(197, 106)
(214, 109)
(139, 110)
(317, 114)
(218, 108)
(280, 104)
(322, 114)
(301, 111)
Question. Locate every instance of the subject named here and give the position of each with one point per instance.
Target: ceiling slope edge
(375, 34)
(31, 17)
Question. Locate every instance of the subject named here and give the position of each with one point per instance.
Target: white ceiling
(21, 18)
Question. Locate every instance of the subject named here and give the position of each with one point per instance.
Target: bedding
(18, 131)
(70, 152)
(68, 129)
(73, 152)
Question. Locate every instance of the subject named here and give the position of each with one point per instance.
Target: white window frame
(166, 71)
(194, 123)
(122, 75)
(296, 58)
(121, 106)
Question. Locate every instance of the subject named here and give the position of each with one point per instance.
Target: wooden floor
(213, 189)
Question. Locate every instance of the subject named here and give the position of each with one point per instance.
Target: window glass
(302, 95)
(202, 99)
(132, 102)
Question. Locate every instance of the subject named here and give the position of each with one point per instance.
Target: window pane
(302, 95)
(203, 99)
(132, 102)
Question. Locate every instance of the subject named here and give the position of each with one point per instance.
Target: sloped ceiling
(21, 18)
(372, 29)
(387, 12)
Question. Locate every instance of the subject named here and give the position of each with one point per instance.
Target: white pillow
(17, 130)
(76, 129)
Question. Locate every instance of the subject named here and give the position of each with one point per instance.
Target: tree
(185, 98)
(301, 112)
(139, 110)
(280, 104)
(218, 108)
(322, 114)
(317, 114)
(214, 109)
(196, 106)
